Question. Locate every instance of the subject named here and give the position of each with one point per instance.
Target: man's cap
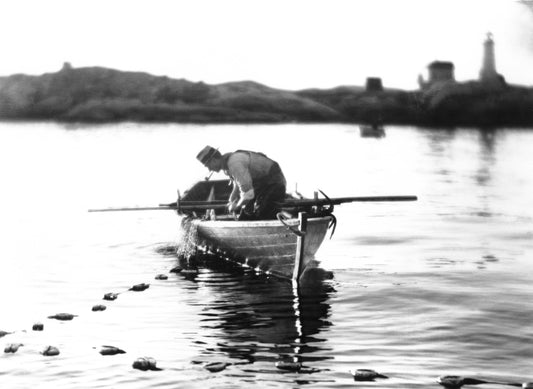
(206, 154)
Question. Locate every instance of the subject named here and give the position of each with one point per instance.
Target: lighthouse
(488, 68)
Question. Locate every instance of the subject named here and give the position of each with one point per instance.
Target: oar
(184, 207)
(132, 209)
(221, 204)
(341, 200)
(302, 202)
(194, 202)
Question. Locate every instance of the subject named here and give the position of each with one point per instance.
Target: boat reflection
(374, 130)
(259, 318)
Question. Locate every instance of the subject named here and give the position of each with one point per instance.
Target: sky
(287, 44)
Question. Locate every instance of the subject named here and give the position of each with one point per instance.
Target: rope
(332, 223)
(281, 217)
(149, 363)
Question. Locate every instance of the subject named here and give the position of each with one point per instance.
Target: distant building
(374, 84)
(488, 67)
(66, 66)
(442, 72)
(439, 72)
(488, 73)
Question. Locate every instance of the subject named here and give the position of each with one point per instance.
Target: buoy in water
(4, 333)
(62, 316)
(161, 277)
(366, 375)
(215, 367)
(99, 307)
(139, 287)
(50, 351)
(38, 327)
(176, 269)
(456, 382)
(110, 296)
(145, 363)
(190, 271)
(13, 347)
(111, 350)
(290, 366)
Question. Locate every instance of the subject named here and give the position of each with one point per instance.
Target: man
(258, 181)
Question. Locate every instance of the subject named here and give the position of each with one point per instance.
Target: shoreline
(100, 95)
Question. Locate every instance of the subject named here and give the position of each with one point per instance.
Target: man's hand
(233, 207)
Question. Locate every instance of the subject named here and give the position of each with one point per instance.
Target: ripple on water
(419, 290)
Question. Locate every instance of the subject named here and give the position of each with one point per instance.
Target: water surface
(419, 290)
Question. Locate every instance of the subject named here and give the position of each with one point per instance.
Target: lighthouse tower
(488, 68)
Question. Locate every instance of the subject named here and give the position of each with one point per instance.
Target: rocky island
(105, 95)
(96, 94)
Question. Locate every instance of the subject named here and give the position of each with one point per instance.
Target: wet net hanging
(188, 239)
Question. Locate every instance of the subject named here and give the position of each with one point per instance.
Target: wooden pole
(342, 200)
(182, 206)
(199, 206)
(300, 243)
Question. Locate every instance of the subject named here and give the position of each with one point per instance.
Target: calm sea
(421, 289)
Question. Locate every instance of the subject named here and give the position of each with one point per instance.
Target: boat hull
(266, 245)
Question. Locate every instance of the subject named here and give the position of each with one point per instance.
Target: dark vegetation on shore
(98, 94)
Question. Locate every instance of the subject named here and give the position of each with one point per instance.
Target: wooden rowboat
(282, 247)
(266, 245)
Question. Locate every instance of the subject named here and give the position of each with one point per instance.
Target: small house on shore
(439, 72)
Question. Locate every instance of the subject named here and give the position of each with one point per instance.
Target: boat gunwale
(293, 222)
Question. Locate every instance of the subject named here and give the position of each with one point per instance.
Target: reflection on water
(251, 307)
(487, 158)
(441, 147)
(259, 318)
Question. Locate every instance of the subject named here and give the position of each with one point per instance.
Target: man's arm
(238, 167)
(233, 198)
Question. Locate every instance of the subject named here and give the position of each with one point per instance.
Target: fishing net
(188, 240)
